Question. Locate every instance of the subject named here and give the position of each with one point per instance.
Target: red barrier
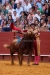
(7, 37)
(45, 43)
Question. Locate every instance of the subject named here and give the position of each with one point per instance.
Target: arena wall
(7, 37)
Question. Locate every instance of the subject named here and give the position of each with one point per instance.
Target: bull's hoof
(20, 64)
(28, 64)
(12, 63)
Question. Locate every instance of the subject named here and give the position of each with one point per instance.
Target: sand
(7, 69)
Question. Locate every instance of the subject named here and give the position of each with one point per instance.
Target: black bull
(25, 46)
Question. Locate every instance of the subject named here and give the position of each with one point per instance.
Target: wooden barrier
(5, 38)
(45, 43)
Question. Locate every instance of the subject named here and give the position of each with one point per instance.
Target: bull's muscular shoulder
(30, 30)
(35, 31)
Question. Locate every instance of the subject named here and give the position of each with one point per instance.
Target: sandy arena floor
(7, 69)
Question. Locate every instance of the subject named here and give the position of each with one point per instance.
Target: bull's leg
(29, 57)
(20, 56)
(28, 61)
(21, 59)
(12, 62)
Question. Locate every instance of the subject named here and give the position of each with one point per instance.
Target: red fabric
(24, 30)
(35, 47)
(11, 26)
(14, 27)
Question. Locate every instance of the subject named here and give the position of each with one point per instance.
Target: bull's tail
(6, 46)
